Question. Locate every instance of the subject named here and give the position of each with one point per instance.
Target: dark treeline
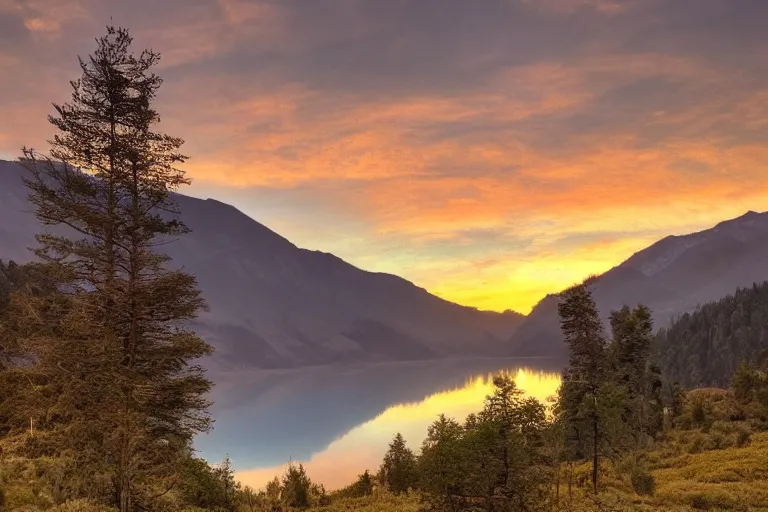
(704, 348)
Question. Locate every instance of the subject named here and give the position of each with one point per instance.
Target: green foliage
(297, 487)
(96, 348)
(382, 501)
(706, 347)
(362, 487)
(639, 381)
(496, 459)
(81, 505)
(208, 487)
(398, 470)
(271, 498)
(642, 480)
(586, 400)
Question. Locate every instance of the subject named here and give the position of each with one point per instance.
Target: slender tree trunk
(595, 458)
(124, 491)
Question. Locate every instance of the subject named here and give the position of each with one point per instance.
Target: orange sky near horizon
(490, 151)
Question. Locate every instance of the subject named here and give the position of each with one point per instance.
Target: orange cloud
(486, 182)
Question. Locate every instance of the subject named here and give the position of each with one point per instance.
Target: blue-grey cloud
(435, 131)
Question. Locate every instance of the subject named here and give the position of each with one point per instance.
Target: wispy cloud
(473, 147)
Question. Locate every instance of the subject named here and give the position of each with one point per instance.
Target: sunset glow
(491, 151)
(364, 446)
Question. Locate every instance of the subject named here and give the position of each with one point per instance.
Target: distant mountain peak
(671, 276)
(749, 217)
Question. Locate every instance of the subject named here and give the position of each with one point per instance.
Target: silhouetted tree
(494, 461)
(363, 486)
(586, 374)
(296, 487)
(225, 477)
(640, 381)
(398, 471)
(442, 464)
(249, 498)
(119, 351)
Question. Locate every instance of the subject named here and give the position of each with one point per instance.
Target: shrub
(700, 502)
(743, 437)
(698, 415)
(697, 443)
(717, 441)
(81, 506)
(642, 481)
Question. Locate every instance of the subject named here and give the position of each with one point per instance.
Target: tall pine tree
(586, 374)
(106, 185)
(630, 353)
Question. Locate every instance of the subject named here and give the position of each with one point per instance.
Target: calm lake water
(338, 420)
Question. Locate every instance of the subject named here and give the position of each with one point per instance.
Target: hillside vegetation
(705, 347)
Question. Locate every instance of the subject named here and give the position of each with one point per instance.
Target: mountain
(274, 305)
(672, 276)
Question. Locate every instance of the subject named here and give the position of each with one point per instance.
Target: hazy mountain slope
(273, 304)
(671, 276)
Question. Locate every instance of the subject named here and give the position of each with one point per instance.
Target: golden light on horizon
(364, 446)
(485, 178)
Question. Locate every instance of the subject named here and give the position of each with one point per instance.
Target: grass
(381, 502)
(718, 480)
(727, 479)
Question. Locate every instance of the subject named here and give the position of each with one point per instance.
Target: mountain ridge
(275, 305)
(672, 276)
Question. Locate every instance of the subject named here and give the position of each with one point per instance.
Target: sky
(491, 151)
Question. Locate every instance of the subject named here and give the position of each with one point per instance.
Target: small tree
(363, 486)
(743, 383)
(248, 498)
(273, 496)
(441, 464)
(296, 487)
(398, 471)
(225, 477)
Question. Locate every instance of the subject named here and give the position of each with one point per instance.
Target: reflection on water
(339, 420)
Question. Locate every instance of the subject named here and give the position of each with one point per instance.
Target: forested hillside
(705, 347)
(671, 277)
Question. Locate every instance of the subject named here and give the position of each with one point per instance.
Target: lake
(339, 420)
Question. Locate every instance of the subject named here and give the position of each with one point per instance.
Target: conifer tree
(587, 372)
(641, 382)
(296, 487)
(398, 471)
(138, 398)
(225, 476)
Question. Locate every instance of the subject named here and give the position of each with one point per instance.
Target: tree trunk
(595, 460)
(124, 492)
